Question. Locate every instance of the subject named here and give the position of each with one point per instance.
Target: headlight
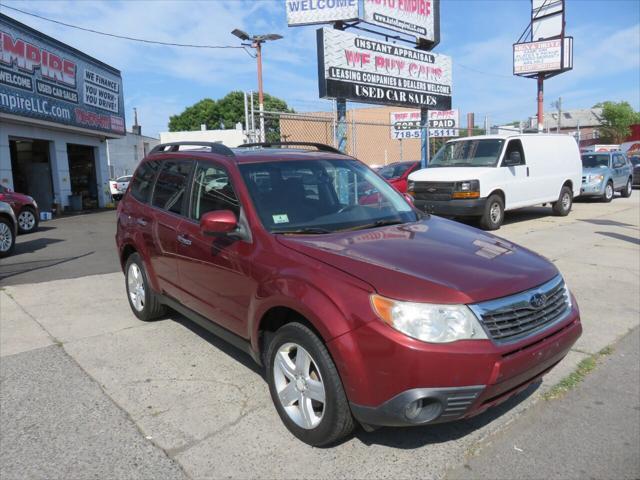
(596, 178)
(429, 322)
(467, 189)
(567, 292)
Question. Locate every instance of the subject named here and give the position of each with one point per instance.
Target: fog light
(413, 409)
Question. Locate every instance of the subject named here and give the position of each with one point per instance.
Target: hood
(449, 174)
(595, 171)
(434, 260)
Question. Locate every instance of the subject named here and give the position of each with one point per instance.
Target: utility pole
(256, 43)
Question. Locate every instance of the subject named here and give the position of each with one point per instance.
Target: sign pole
(341, 130)
(424, 137)
(540, 102)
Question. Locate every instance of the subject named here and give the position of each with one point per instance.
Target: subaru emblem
(538, 300)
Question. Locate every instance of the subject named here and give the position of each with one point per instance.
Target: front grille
(433, 190)
(512, 318)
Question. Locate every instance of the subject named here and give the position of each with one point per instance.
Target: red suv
(370, 312)
(24, 207)
(398, 173)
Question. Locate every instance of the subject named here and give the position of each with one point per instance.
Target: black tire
(562, 207)
(609, 192)
(628, 189)
(489, 220)
(336, 420)
(151, 308)
(7, 233)
(26, 211)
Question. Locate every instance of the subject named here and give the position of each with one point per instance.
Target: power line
(124, 37)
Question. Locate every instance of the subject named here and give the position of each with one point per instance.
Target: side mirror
(514, 158)
(218, 223)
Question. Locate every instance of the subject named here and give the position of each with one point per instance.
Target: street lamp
(256, 42)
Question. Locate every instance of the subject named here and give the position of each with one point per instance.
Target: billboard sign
(545, 56)
(419, 18)
(547, 19)
(369, 71)
(442, 123)
(44, 79)
(308, 12)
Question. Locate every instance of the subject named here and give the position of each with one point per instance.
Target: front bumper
(452, 208)
(450, 381)
(592, 189)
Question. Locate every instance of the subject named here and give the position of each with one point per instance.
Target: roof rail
(214, 147)
(320, 146)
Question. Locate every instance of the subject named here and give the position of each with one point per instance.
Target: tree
(617, 118)
(223, 113)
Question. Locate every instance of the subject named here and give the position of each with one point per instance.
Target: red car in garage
(24, 207)
(397, 173)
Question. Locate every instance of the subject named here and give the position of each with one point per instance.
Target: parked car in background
(360, 312)
(484, 176)
(605, 173)
(635, 164)
(8, 230)
(397, 173)
(25, 209)
(119, 186)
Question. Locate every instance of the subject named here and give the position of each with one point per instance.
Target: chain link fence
(374, 143)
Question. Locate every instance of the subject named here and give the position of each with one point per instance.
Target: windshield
(595, 161)
(469, 153)
(322, 196)
(126, 178)
(394, 170)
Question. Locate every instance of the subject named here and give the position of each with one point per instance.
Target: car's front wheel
(142, 299)
(27, 220)
(305, 386)
(493, 215)
(607, 196)
(7, 238)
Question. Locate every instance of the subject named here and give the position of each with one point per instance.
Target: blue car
(604, 173)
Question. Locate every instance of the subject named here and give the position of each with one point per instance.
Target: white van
(486, 175)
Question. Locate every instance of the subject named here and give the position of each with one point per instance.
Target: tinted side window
(142, 182)
(212, 190)
(515, 146)
(169, 192)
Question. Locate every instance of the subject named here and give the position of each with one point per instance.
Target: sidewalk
(593, 432)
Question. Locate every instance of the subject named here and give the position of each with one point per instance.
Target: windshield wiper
(377, 223)
(304, 231)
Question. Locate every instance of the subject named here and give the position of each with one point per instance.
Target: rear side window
(142, 182)
(171, 186)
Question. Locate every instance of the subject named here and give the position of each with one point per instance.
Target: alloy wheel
(6, 237)
(26, 220)
(608, 191)
(135, 287)
(495, 213)
(299, 385)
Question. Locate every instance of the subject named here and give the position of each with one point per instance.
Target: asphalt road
(67, 247)
(592, 432)
(204, 406)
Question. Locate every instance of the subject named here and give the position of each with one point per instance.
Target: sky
(161, 81)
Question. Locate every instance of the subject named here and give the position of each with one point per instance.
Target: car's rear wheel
(628, 189)
(27, 220)
(562, 207)
(493, 215)
(607, 196)
(306, 388)
(7, 238)
(143, 301)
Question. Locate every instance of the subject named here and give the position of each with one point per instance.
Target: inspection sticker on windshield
(281, 218)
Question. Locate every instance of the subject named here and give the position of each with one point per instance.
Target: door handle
(527, 171)
(184, 240)
(142, 222)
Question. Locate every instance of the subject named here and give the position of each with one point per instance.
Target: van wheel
(628, 189)
(493, 215)
(607, 196)
(142, 299)
(306, 388)
(7, 238)
(562, 207)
